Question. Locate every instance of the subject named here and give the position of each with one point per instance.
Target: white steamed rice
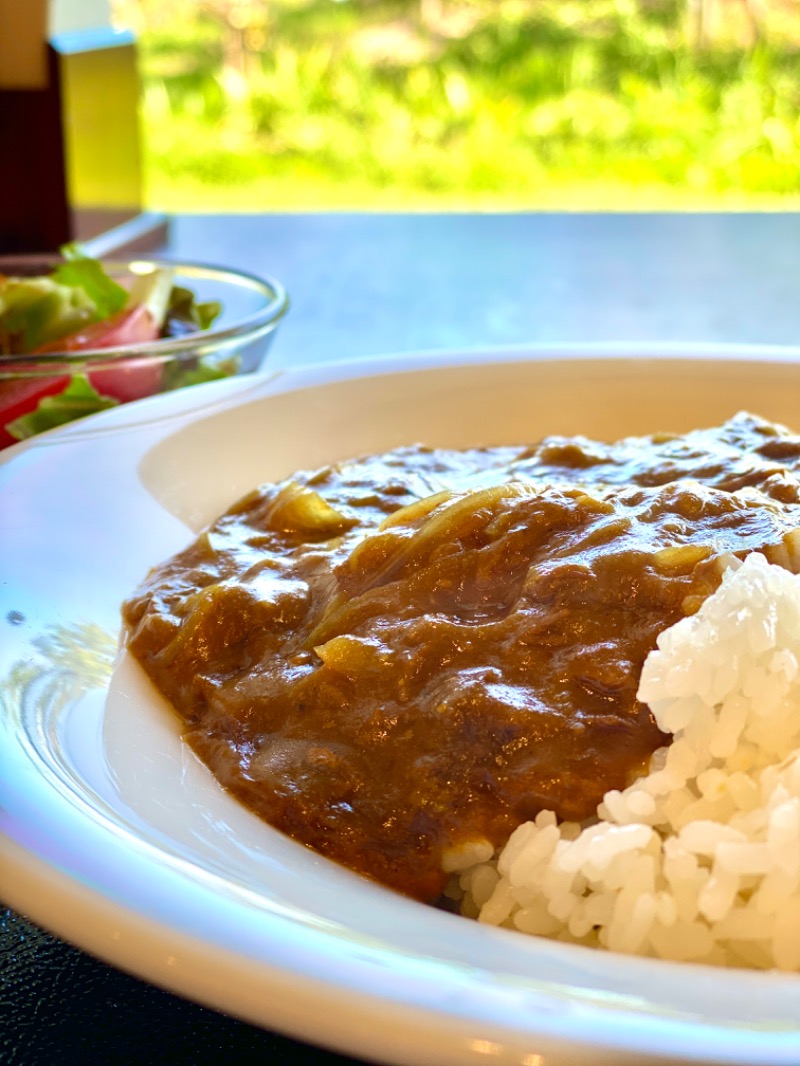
(699, 859)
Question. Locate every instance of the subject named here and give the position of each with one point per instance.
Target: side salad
(80, 308)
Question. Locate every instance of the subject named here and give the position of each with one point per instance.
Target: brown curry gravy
(393, 657)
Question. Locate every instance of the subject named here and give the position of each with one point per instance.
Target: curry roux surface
(391, 657)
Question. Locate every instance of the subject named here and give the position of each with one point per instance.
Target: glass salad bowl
(78, 335)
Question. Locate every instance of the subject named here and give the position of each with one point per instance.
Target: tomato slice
(128, 379)
(134, 325)
(21, 396)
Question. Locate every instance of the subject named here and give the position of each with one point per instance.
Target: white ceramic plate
(116, 838)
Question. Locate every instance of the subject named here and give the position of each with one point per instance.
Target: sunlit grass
(551, 106)
(271, 194)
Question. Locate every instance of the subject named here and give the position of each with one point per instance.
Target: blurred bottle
(70, 144)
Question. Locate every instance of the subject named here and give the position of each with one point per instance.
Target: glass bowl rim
(250, 327)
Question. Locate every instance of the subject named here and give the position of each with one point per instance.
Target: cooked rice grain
(699, 859)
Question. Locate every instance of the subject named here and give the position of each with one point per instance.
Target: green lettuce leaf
(83, 272)
(177, 377)
(185, 314)
(35, 311)
(77, 400)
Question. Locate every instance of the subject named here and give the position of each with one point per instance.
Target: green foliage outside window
(442, 104)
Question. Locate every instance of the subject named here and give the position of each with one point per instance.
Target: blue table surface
(363, 285)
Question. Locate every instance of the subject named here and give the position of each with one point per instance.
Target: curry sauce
(396, 658)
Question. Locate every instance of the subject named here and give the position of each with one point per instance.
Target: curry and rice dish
(412, 661)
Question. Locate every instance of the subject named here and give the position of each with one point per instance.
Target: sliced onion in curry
(397, 660)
